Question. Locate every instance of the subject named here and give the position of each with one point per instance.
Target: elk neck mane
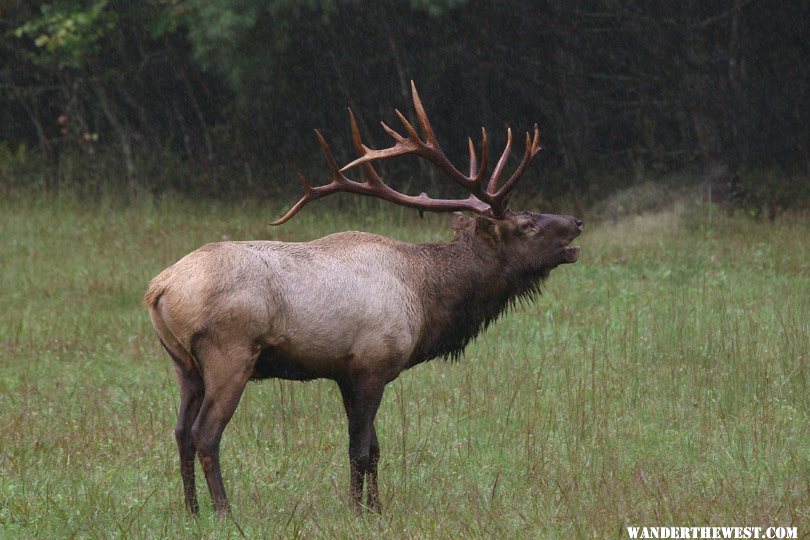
(464, 285)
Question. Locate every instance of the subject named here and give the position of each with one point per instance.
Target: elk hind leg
(192, 392)
(227, 371)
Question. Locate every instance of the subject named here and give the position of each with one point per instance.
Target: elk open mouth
(571, 254)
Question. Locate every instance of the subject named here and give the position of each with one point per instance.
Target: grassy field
(662, 380)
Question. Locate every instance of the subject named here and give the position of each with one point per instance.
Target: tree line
(221, 95)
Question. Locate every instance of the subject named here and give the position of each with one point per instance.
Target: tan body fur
(335, 305)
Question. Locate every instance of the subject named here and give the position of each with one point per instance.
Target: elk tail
(154, 292)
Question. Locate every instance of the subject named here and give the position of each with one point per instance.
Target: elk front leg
(361, 400)
(373, 500)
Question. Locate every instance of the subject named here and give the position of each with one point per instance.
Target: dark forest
(220, 98)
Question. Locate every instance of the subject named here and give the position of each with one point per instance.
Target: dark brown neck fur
(464, 285)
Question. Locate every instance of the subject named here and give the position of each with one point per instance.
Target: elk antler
(485, 198)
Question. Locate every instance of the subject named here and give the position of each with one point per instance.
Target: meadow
(661, 380)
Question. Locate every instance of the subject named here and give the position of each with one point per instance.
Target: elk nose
(579, 223)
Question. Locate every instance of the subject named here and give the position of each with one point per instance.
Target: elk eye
(527, 226)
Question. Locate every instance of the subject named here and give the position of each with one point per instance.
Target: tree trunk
(122, 128)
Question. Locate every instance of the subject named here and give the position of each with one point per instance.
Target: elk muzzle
(571, 253)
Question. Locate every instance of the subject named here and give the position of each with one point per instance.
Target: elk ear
(460, 222)
(487, 229)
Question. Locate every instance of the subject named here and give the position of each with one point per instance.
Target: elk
(353, 307)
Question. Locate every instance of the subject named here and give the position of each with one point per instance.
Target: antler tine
(311, 193)
(369, 172)
(297, 206)
(496, 174)
(476, 173)
(402, 146)
(412, 134)
(330, 158)
(421, 115)
(393, 133)
(484, 158)
(473, 163)
(532, 149)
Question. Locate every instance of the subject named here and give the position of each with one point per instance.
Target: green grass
(662, 380)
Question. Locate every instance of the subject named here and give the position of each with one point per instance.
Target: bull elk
(353, 307)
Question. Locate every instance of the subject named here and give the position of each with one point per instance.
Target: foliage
(637, 89)
(68, 33)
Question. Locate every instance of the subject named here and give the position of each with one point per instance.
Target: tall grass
(661, 380)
